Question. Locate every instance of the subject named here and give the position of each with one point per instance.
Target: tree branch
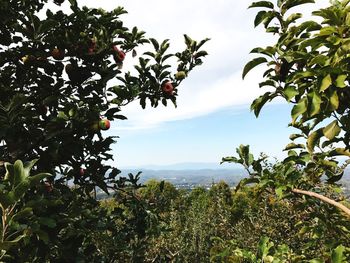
(324, 199)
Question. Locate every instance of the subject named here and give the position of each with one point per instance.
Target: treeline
(227, 225)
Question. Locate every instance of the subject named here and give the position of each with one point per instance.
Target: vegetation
(62, 83)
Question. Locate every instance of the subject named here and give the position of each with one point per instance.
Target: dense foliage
(61, 84)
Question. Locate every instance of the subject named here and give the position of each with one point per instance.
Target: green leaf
(230, 159)
(290, 92)
(188, 40)
(252, 64)
(10, 173)
(260, 102)
(314, 139)
(299, 109)
(339, 152)
(295, 136)
(315, 105)
(21, 189)
(28, 166)
(51, 223)
(293, 145)
(25, 212)
(326, 82)
(62, 115)
(293, 17)
(6, 245)
(279, 191)
(19, 175)
(34, 180)
(333, 101)
(266, 4)
(340, 81)
(288, 4)
(331, 130)
(154, 43)
(260, 17)
(338, 254)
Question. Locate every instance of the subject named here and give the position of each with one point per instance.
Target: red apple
(168, 88)
(48, 187)
(81, 171)
(58, 54)
(118, 54)
(104, 124)
(91, 46)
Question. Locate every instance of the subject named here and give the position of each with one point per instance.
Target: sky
(212, 117)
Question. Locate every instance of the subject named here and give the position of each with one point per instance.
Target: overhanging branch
(324, 199)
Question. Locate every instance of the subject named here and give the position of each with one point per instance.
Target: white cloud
(217, 84)
(196, 101)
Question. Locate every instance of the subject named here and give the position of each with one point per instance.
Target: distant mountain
(185, 166)
(190, 176)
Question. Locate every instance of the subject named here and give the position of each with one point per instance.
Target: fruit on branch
(104, 124)
(168, 88)
(48, 187)
(180, 75)
(92, 46)
(118, 55)
(58, 54)
(81, 171)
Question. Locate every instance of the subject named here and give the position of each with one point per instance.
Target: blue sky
(212, 117)
(206, 138)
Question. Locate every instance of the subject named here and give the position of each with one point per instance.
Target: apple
(58, 54)
(69, 68)
(91, 46)
(48, 187)
(104, 124)
(81, 171)
(180, 75)
(118, 55)
(168, 88)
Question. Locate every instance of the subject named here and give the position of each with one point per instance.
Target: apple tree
(308, 67)
(62, 83)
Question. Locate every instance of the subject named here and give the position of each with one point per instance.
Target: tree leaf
(293, 145)
(260, 102)
(333, 101)
(331, 130)
(313, 139)
(290, 92)
(340, 81)
(299, 109)
(295, 136)
(315, 105)
(260, 17)
(326, 82)
(252, 64)
(19, 175)
(266, 4)
(338, 254)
